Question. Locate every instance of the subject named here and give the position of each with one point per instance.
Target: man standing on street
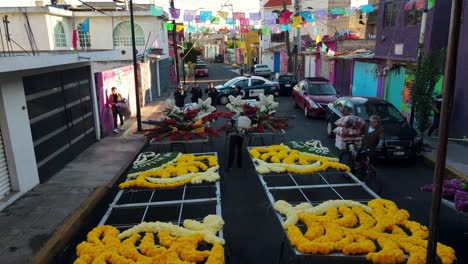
(196, 93)
(114, 100)
(254, 60)
(179, 96)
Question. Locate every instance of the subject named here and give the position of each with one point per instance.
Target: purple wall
(459, 124)
(408, 35)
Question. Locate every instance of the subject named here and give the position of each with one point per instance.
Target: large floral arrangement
(380, 230)
(105, 244)
(260, 112)
(179, 169)
(455, 190)
(311, 146)
(193, 122)
(281, 158)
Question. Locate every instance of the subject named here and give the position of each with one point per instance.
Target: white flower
(266, 104)
(236, 104)
(205, 108)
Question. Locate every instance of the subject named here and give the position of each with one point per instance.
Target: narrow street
(252, 232)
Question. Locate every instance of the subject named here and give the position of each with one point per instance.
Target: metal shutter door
(4, 177)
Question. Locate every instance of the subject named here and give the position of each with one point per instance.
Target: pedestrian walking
(435, 122)
(116, 100)
(241, 70)
(252, 69)
(196, 93)
(236, 140)
(179, 96)
(212, 93)
(254, 59)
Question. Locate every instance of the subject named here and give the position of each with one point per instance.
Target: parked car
(201, 70)
(199, 61)
(287, 82)
(219, 58)
(261, 70)
(252, 87)
(313, 95)
(401, 140)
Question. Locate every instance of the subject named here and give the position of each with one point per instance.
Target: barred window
(123, 35)
(84, 39)
(60, 40)
(391, 13)
(278, 37)
(413, 16)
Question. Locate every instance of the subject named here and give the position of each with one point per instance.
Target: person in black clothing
(212, 93)
(114, 100)
(437, 107)
(238, 91)
(196, 93)
(252, 70)
(179, 96)
(236, 139)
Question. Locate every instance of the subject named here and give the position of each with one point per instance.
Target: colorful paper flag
(244, 30)
(156, 10)
(216, 20)
(197, 19)
(266, 30)
(205, 16)
(169, 26)
(318, 39)
(419, 4)
(367, 8)
(321, 14)
(85, 26)
(238, 15)
(307, 15)
(297, 20)
(255, 16)
(191, 29)
(315, 31)
(189, 15)
(336, 11)
(175, 12)
(223, 14)
(275, 29)
(230, 21)
(245, 22)
(286, 15)
(179, 28)
(285, 27)
(270, 21)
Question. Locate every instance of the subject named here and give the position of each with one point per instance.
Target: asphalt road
(246, 206)
(252, 232)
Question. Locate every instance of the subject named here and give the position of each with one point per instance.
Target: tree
(190, 53)
(422, 92)
(230, 44)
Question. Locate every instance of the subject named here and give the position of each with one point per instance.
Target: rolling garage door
(4, 176)
(61, 118)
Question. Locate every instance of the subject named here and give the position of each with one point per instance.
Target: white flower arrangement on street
(205, 108)
(136, 174)
(211, 225)
(266, 104)
(210, 175)
(236, 104)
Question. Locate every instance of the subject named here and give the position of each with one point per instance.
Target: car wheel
(306, 111)
(223, 100)
(330, 129)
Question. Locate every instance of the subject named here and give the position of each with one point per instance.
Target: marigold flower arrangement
(281, 158)
(183, 169)
(380, 230)
(105, 244)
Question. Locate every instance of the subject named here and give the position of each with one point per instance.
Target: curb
(448, 170)
(71, 226)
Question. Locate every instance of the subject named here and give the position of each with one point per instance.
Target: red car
(201, 70)
(313, 95)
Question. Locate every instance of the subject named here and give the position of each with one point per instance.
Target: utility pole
(174, 46)
(288, 45)
(298, 38)
(135, 68)
(422, 35)
(447, 103)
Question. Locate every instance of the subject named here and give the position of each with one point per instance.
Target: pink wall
(122, 79)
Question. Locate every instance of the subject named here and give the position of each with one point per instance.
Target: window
(391, 13)
(321, 89)
(59, 36)
(413, 16)
(287, 78)
(123, 35)
(200, 66)
(242, 84)
(387, 113)
(257, 82)
(278, 37)
(85, 39)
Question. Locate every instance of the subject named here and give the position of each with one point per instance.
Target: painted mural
(122, 79)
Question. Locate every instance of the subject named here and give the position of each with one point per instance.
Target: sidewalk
(47, 216)
(457, 154)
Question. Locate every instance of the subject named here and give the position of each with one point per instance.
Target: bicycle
(359, 161)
